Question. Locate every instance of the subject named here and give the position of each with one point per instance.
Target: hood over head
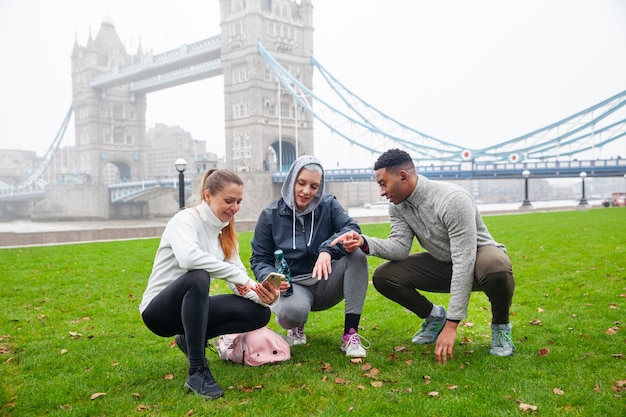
(287, 191)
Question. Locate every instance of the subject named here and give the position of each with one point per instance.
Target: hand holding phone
(275, 279)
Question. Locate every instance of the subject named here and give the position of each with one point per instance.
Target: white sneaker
(351, 344)
(298, 336)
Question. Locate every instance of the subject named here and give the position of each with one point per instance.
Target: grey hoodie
(287, 192)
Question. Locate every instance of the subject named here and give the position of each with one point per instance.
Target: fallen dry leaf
(372, 373)
(97, 395)
(377, 384)
(543, 352)
(399, 348)
(610, 331)
(366, 367)
(620, 386)
(136, 395)
(340, 381)
(527, 407)
(535, 322)
(189, 413)
(142, 407)
(356, 360)
(540, 310)
(558, 391)
(409, 362)
(433, 394)
(360, 387)
(451, 387)
(168, 377)
(326, 367)
(63, 351)
(75, 335)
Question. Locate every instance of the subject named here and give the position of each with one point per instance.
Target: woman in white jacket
(198, 245)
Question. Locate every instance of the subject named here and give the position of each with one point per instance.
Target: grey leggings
(493, 274)
(348, 280)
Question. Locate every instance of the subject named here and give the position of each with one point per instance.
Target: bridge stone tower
(110, 125)
(262, 123)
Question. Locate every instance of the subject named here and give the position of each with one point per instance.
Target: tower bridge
(265, 58)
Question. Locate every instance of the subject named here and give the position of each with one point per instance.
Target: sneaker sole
(207, 396)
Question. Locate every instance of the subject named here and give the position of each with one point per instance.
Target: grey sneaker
(203, 384)
(501, 341)
(431, 327)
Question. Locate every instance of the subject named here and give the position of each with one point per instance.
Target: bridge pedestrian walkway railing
(473, 170)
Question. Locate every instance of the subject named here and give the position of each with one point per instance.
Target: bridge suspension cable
(35, 176)
(365, 126)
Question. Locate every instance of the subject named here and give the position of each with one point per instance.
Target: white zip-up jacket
(190, 241)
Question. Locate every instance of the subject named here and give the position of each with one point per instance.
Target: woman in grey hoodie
(302, 223)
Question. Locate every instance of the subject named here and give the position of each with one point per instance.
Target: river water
(27, 226)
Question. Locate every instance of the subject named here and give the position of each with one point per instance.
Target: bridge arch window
(106, 135)
(241, 145)
(118, 136)
(84, 112)
(285, 110)
(118, 111)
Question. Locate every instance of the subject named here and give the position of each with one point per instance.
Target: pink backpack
(254, 348)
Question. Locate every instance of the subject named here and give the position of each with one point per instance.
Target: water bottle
(282, 267)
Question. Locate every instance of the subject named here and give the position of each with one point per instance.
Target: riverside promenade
(20, 233)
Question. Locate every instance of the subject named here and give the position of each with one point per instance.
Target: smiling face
(225, 203)
(306, 187)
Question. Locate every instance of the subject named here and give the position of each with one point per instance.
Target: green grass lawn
(70, 329)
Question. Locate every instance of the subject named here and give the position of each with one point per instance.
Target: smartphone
(274, 278)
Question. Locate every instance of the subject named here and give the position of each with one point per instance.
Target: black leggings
(185, 307)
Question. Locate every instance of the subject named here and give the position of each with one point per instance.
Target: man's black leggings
(185, 307)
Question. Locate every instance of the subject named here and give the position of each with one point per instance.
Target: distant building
(15, 165)
(168, 143)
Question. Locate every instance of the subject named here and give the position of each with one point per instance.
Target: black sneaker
(203, 384)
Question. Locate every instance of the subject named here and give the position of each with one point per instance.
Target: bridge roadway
(129, 191)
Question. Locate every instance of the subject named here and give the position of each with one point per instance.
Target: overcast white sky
(474, 73)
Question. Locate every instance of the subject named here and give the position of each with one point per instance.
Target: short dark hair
(394, 160)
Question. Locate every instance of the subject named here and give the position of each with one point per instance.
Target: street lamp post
(526, 202)
(583, 200)
(180, 165)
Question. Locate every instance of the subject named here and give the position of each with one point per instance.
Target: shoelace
(356, 339)
(503, 338)
(300, 331)
(427, 323)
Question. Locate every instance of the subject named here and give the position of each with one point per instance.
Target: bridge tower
(262, 122)
(110, 126)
